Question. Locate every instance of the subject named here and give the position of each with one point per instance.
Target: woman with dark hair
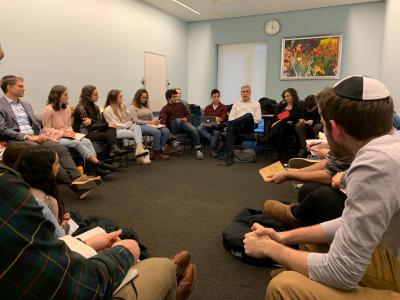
(287, 116)
(88, 120)
(38, 165)
(115, 112)
(143, 116)
(57, 125)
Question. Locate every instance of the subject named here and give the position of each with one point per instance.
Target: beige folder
(276, 167)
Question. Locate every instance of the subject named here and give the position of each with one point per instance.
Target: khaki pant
(381, 281)
(156, 281)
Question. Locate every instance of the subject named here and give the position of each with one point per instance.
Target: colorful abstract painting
(316, 57)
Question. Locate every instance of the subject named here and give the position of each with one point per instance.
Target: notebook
(271, 169)
(208, 121)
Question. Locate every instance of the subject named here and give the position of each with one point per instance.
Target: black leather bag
(268, 106)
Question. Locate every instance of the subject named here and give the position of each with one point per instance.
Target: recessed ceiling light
(187, 7)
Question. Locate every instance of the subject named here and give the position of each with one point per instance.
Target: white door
(155, 79)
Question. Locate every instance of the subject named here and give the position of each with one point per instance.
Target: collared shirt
(241, 108)
(371, 216)
(36, 265)
(219, 111)
(22, 116)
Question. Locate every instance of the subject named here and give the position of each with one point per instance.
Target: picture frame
(311, 57)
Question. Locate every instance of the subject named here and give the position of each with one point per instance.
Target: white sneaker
(199, 154)
(146, 160)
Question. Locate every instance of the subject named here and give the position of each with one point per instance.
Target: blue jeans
(210, 134)
(132, 132)
(178, 126)
(84, 146)
(160, 135)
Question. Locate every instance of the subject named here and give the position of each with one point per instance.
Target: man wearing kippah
(364, 254)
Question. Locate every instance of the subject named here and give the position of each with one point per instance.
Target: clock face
(272, 27)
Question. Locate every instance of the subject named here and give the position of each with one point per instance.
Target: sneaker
(139, 160)
(146, 160)
(81, 193)
(86, 182)
(140, 150)
(298, 163)
(280, 212)
(199, 154)
(177, 148)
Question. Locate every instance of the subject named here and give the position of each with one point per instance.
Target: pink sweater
(56, 122)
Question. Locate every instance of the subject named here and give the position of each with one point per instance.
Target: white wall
(79, 42)
(360, 24)
(390, 51)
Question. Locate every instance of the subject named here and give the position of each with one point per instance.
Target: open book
(79, 136)
(75, 245)
(271, 169)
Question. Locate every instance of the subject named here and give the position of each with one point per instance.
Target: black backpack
(268, 106)
(233, 234)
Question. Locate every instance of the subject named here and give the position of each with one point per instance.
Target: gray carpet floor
(184, 203)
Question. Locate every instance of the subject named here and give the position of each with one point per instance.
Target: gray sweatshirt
(371, 216)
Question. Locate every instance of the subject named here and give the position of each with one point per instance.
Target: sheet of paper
(271, 169)
(72, 226)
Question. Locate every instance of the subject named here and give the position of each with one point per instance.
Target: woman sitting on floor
(115, 112)
(57, 125)
(143, 116)
(88, 120)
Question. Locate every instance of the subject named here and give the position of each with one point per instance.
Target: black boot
(101, 172)
(105, 166)
(116, 151)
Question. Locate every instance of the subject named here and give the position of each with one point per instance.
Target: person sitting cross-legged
(176, 117)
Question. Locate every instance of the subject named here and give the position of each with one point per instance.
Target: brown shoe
(186, 284)
(181, 261)
(280, 212)
(158, 154)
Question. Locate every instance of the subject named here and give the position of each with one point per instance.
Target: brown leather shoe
(186, 284)
(281, 212)
(181, 261)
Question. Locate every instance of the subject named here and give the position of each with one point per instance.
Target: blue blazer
(9, 128)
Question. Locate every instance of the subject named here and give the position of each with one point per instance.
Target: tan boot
(140, 150)
(280, 212)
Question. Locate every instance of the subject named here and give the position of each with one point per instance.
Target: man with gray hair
(243, 119)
